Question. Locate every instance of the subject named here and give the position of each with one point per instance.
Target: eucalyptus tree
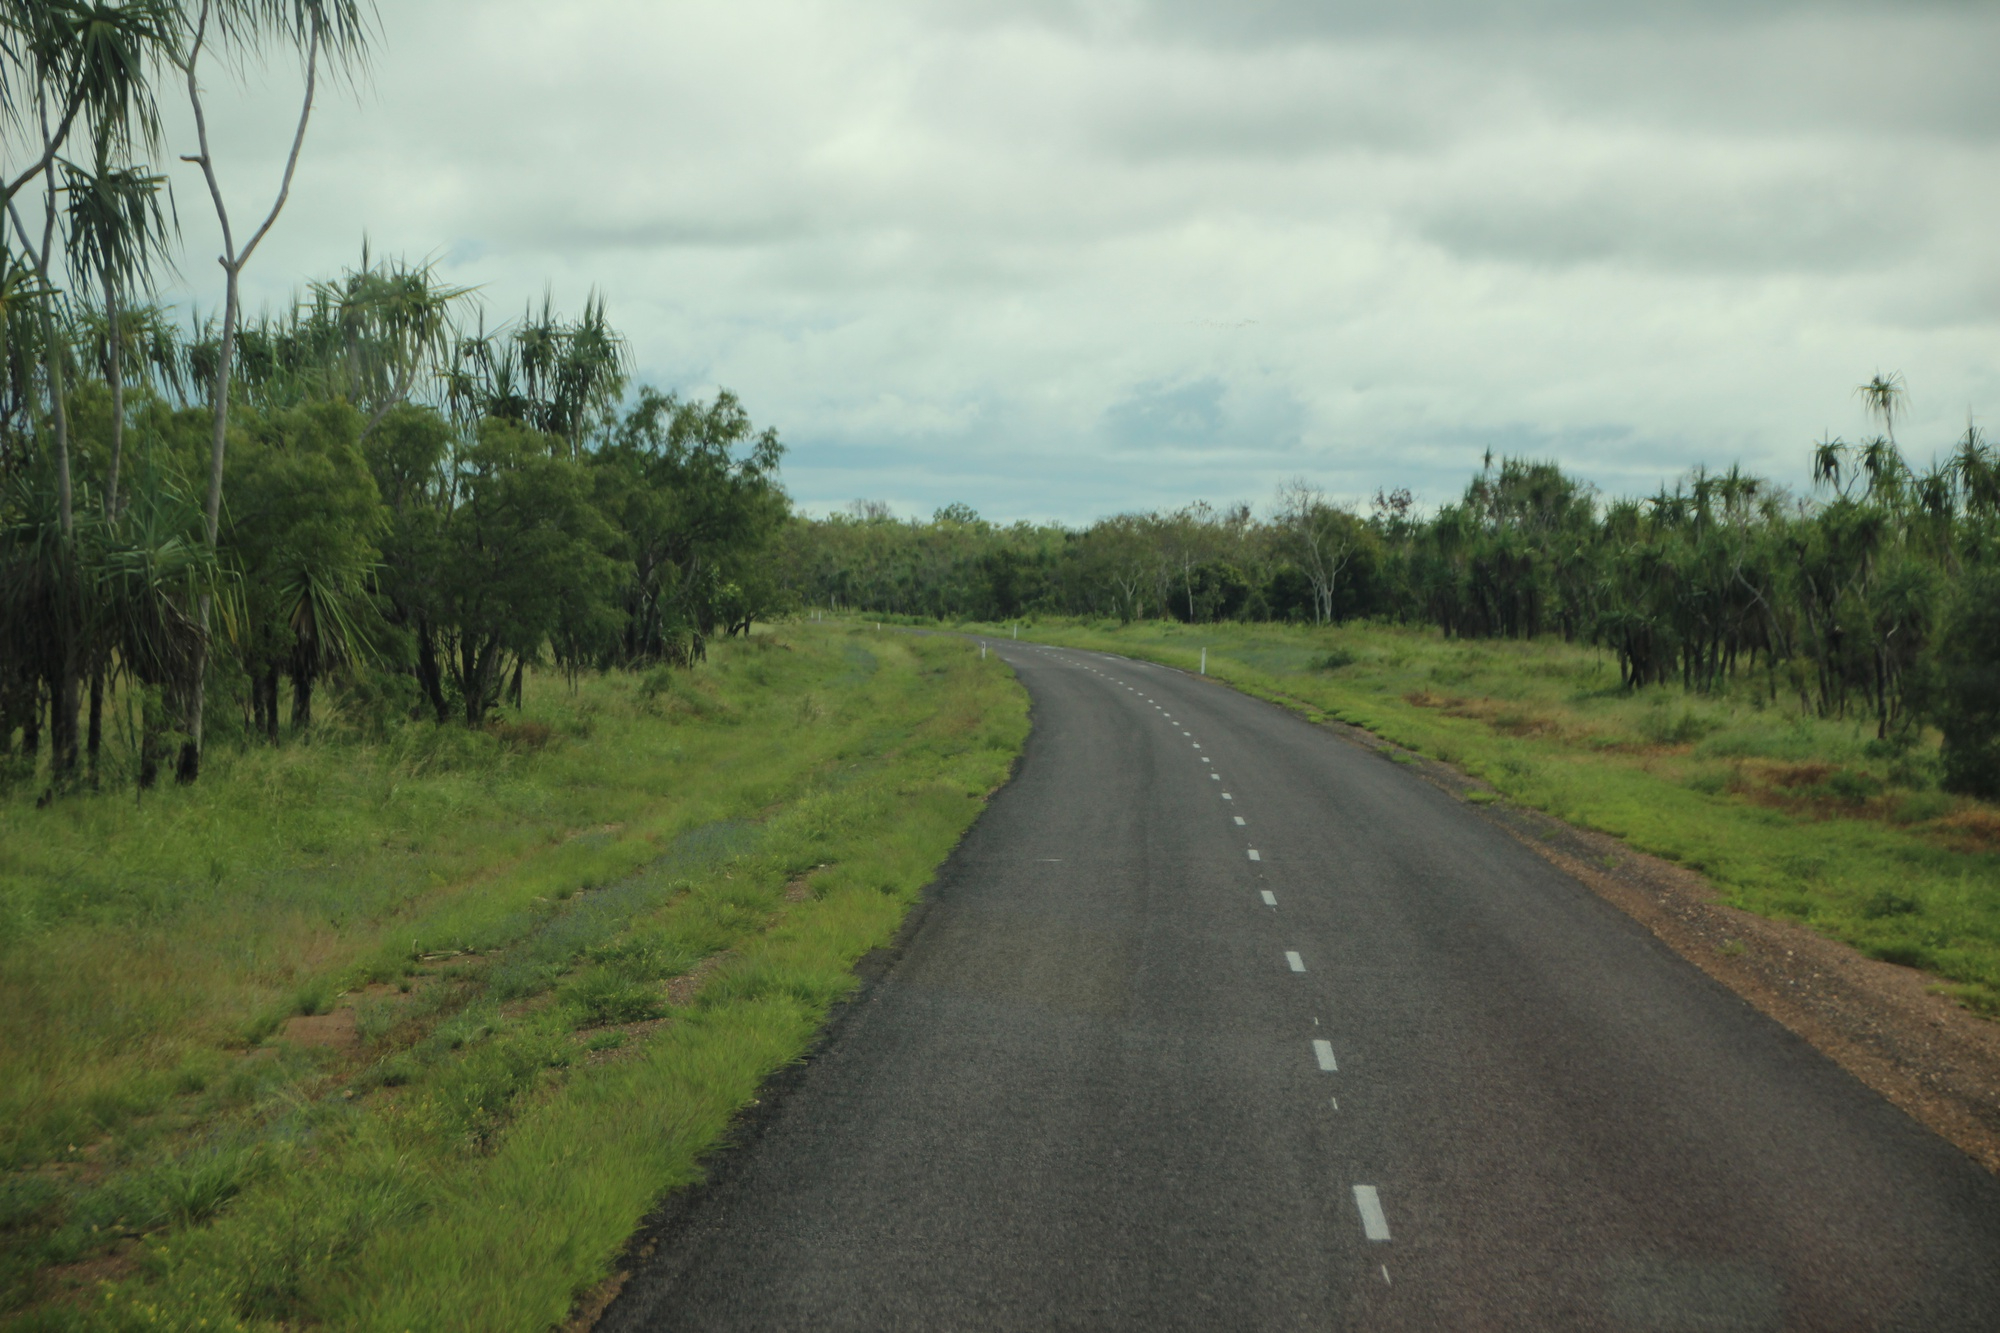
(303, 537)
(693, 488)
(333, 31)
(1320, 539)
(523, 548)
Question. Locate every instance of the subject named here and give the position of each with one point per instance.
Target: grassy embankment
(550, 962)
(1791, 815)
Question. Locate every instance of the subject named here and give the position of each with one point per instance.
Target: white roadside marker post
(1204, 661)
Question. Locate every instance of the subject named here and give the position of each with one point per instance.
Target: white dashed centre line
(1373, 1224)
(1323, 1051)
(1293, 961)
(1237, 818)
(1216, 776)
(1270, 898)
(1225, 796)
(1254, 856)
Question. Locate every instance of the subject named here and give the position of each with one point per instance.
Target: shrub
(603, 996)
(1921, 807)
(1854, 787)
(1659, 728)
(1886, 903)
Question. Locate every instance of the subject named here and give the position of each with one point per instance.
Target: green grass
(569, 962)
(1791, 815)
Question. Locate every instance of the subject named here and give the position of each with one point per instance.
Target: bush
(603, 997)
(1967, 684)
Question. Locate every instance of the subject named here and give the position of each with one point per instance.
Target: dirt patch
(1976, 828)
(77, 1285)
(682, 989)
(590, 1306)
(1880, 1022)
(1426, 699)
(335, 1029)
(526, 735)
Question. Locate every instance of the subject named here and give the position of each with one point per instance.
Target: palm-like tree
(118, 233)
(1885, 397)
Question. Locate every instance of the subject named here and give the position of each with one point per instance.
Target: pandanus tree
(561, 377)
(119, 236)
(66, 67)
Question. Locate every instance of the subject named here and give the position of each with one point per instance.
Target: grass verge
(412, 1032)
(1792, 816)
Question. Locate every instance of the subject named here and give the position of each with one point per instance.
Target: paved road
(1217, 1021)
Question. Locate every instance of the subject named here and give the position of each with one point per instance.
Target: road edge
(654, 1251)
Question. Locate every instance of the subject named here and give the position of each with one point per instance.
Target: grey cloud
(988, 253)
(1273, 22)
(1202, 415)
(1769, 227)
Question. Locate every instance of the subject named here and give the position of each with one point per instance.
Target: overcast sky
(1060, 260)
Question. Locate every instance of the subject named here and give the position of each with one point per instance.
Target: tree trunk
(150, 708)
(189, 767)
(31, 724)
(96, 742)
(429, 676)
(64, 694)
(302, 693)
(114, 371)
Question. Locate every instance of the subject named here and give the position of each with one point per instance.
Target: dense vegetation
(421, 553)
(1879, 596)
(370, 489)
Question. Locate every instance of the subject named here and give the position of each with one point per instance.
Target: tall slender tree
(333, 31)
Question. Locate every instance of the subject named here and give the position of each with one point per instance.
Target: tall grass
(567, 965)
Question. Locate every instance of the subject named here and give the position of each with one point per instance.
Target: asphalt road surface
(1218, 1021)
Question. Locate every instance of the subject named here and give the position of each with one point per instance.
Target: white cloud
(1067, 261)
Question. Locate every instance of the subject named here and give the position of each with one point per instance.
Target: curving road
(1217, 1021)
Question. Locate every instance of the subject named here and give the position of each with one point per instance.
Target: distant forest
(1877, 595)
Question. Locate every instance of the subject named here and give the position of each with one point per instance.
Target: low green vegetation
(1793, 815)
(410, 1030)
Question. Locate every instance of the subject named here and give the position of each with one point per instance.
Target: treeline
(417, 514)
(1878, 594)
(202, 523)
